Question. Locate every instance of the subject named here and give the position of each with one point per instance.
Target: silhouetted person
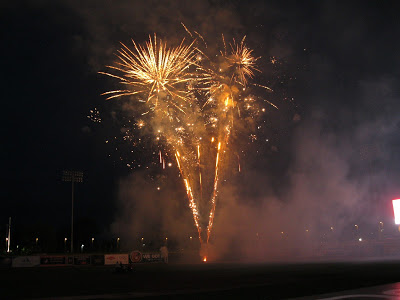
(164, 253)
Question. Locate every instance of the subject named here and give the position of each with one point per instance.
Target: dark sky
(338, 71)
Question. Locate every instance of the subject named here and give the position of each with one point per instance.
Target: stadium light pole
(380, 230)
(72, 176)
(9, 235)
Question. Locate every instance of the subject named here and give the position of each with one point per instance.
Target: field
(209, 280)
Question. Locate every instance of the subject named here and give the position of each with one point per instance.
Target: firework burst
(156, 72)
(194, 106)
(242, 60)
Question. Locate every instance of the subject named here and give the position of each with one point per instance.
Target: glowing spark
(270, 103)
(226, 101)
(213, 200)
(198, 163)
(200, 36)
(223, 39)
(94, 115)
(243, 60)
(187, 30)
(192, 202)
(263, 86)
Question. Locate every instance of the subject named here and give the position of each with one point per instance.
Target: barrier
(49, 260)
(112, 259)
(5, 262)
(97, 260)
(135, 256)
(152, 257)
(25, 261)
(82, 260)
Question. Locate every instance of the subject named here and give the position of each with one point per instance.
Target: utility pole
(72, 176)
(9, 235)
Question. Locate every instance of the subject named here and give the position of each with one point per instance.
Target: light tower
(72, 176)
(8, 235)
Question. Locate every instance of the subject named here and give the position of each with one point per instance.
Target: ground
(209, 280)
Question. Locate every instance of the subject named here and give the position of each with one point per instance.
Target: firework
(155, 71)
(242, 61)
(192, 105)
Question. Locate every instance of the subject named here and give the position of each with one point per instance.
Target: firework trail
(193, 105)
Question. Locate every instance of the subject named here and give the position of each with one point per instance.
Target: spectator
(164, 254)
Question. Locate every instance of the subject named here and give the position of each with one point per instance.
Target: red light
(396, 210)
(205, 258)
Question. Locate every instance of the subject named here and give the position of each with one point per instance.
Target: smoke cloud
(336, 178)
(151, 208)
(340, 168)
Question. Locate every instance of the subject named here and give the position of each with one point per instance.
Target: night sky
(334, 140)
